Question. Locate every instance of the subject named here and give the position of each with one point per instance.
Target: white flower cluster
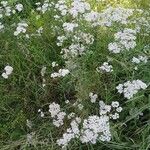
(140, 59)
(57, 115)
(80, 40)
(123, 40)
(105, 67)
(112, 110)
(76, 48)
(61, 39)
(85, 38)
(119, 15)
(41, 113)
(72, 132)
(21, 28)
(71, 115)
(19, 7)
(69, 27)
(62, 7)
(44, 7)
(95, 128)
(79, 7)
(54, 64)
(92, 17)
(73, 50)
(76, 8)
(130, 88)
(60, 73)
(8, 71)
(7, 10)
(93, 97)
(108, 16)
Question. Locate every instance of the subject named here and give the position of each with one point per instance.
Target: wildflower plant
(74, 74)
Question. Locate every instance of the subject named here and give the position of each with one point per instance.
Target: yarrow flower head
(93, 97)
(21, 28)
(105, 67)
(8, 71)
(57, 115)
(95, 128)
(19, 7)
(79, 7)
(124, 40)
(60, 73)
(139, 59)
(69, 27)
(130, 88)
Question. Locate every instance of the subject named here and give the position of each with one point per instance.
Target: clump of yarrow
(60, 73)
(41, 113)
(19, 7)
(69, 27)
(124, 40)
(57, 115)
(21, 28)
(80, 40)
(109, 16)
(76, 7)
(119, 15)
(130, 88)
(93, 97)
(140, 59)
(7, 10)
(94, 127)
(105, 68)
(44, 7)
(71, 133)
(7, 71)
(112, 110)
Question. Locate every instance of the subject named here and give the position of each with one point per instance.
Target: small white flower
(140, 59)
(119, 109)
(93, 97)
(104, 109)
(115, 116)
(54, 109)
(54, 64)
(80, 106)
(67, 101)
(61, 73)
(19, 7)
(4, 75)
(115, 104)
(105, 67)
(8, 70)
(43, 71)
(71, 115)
(42, 114)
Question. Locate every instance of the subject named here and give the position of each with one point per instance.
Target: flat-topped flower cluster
(130, 88)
